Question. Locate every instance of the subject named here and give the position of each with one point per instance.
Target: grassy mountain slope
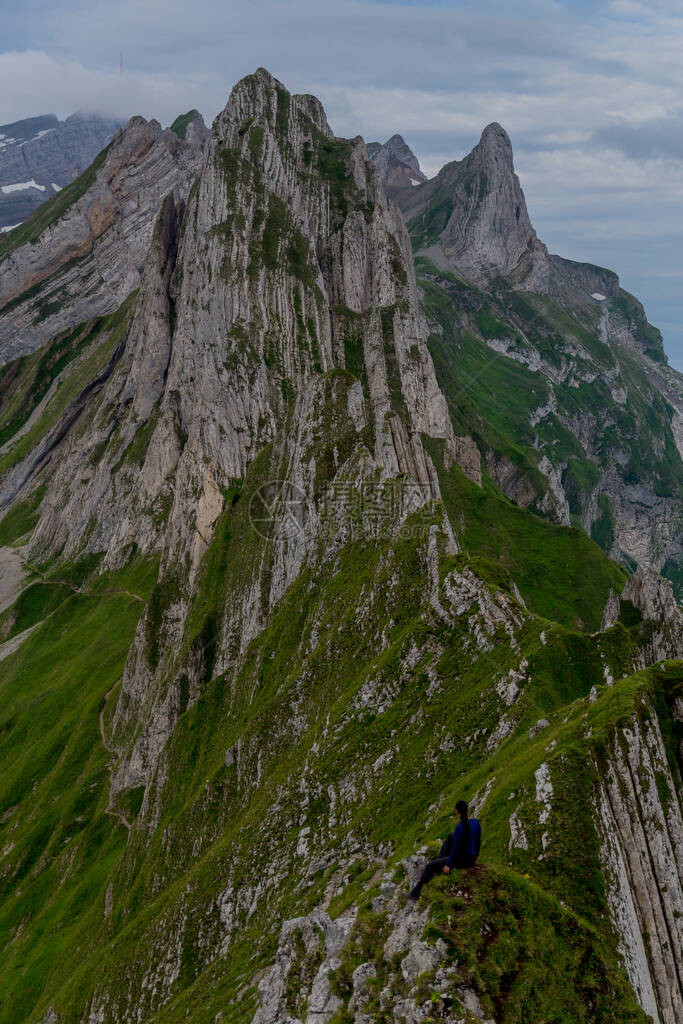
(41, 387)
(59, 842)
(533, 380)
(317, 710)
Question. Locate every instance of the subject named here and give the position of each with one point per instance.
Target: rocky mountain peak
(494, 144)
(190, 127)
(261, 97)
(473, 213)
(397, 164)
(397, 147)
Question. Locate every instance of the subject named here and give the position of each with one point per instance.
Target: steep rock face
(40, 155)
(291, 262)
(84, 251)
(397, 164)
(641, 833)
(190, 128)
(652, 598)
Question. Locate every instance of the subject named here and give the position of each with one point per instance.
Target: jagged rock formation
(331, 281)
(84, 251)
(397, 164)
(41, 155)
(650, 599)
(190, 128)
(274, 626)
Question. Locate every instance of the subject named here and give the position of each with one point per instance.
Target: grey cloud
(662, 137)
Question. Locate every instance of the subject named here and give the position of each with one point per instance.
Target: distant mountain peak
(397, 164)
(474, 212)
(190, 127)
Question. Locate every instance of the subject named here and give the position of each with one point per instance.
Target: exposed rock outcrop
(641, 833)
(652, 597)
(295, 276)
(484, 229)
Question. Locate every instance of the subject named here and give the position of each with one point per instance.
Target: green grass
(299, 693)
(95, 349)
(179, 126)
(24, 382)
(54, 786)
(561, 574)
(22, 518)
(493, 398)
(509, 938)
(356, 710)
(673, 570)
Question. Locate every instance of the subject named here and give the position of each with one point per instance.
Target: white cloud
(33, 82)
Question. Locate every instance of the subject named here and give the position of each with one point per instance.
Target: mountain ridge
(90, 238)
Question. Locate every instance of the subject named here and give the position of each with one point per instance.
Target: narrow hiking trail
(110, 750)
(15, 576)
(84, 591)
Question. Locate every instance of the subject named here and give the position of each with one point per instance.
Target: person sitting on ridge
(460, 850)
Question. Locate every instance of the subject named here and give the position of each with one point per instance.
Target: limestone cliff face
(290, 262)
(652, 598)
(91, 252)
(482, 228)
(641, 836)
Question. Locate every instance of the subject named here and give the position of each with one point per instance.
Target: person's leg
(433, 867)
(447, 846)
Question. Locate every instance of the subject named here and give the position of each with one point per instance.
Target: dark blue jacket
(466, 847)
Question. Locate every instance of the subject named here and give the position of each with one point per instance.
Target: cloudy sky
(591, 94)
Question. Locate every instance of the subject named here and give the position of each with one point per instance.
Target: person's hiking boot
(407, 897)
